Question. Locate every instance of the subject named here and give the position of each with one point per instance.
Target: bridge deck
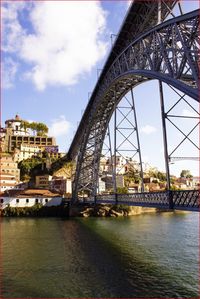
(186, 200)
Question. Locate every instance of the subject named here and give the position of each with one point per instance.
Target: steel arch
(169, 53)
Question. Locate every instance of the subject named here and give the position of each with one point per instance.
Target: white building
(7, 182)
(22, 201)
(16, 125)
(101, 186)
(25, 152)
(123, 164)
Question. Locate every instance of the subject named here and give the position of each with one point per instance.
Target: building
(14, 135)
(40, 141)
(28, 198)
(7, 182)
(25, 152)
(61, 185)
(187, 183)
(109, 183)
(123, 164)
(21, 201)
(105, 165)
(16, 126)
(9, 166)
(42, 181)
(101, 186)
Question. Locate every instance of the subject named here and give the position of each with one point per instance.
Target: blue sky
(51, 53)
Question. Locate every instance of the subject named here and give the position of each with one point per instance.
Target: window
(17, 200)
(46, 199)
(27, 200)
(1, 200)
(36, 200)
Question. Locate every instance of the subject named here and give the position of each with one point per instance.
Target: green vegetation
(40, 129)
(174, 188)
(185, 173)
(132, 176)
(31, 167)
(154, 173)
(122, 190)
(35, 211)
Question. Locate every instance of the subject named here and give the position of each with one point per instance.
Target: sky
(51, 54)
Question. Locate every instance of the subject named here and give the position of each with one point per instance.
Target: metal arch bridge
(147, 47)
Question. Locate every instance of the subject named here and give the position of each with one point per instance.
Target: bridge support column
(164, 134)
(170, 198)
(116, 198)
(138, 142)
(95, 199)
(115, 147)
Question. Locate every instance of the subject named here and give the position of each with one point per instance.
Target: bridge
(149, 46)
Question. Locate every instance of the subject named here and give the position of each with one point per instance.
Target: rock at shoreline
(108, 211)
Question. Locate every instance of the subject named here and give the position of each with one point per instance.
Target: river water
(149, 255)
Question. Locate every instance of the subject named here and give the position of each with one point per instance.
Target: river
(149, 255)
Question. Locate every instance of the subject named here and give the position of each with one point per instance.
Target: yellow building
(42, 181)
(9, 166)
(13, 135)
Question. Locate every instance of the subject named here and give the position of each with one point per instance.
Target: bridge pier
(170, 198)
(116, 198)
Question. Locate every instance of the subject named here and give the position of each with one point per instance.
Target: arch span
(169, 53)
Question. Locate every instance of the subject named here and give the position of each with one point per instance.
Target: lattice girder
(169, 53)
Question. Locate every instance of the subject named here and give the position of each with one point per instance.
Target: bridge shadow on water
(119, 273)
(90, 258)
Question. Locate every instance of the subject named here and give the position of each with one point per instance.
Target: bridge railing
(150, 198)
(180, 200)
(140, 199)
(186, 199)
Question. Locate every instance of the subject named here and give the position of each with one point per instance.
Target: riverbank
(78, 210)
(35, 211)
(106, 210)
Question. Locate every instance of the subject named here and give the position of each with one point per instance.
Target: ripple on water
(151, 255)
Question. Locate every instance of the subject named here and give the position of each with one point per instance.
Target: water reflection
(151, 255)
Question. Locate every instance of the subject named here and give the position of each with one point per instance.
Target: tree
(185, 173)
(161, 176)
(40, 129)
(27, 167)
(132, 175)
(25, 125)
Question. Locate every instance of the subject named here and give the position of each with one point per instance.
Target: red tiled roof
(32, 193)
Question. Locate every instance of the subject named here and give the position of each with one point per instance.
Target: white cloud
(148, 129)
(9, 70)
(65, 44)
(12, 32)
(59, 127)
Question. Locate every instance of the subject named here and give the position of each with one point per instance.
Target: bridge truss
(166, 51)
